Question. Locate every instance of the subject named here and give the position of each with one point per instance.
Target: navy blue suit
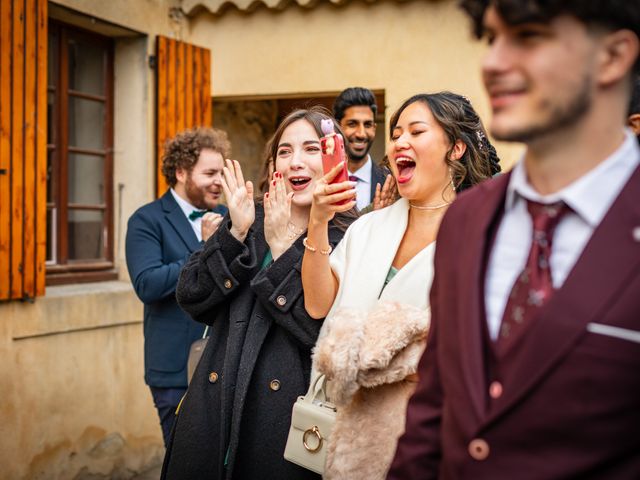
(159, 241)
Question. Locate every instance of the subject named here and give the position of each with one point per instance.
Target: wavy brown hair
(457, 117)
(313, 115)
(183, 150)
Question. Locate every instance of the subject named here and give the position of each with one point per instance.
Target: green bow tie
(197, 214)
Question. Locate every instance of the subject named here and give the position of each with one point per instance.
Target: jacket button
(228, 284)
(281, 300)
(495, 390)
(213, 377)
(274, 385)
(478, 449)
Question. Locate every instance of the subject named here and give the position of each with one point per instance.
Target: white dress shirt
(363, 187)
(187, 208)
(589, 198)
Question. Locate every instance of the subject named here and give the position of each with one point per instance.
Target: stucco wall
(401, 47)
(73, 399)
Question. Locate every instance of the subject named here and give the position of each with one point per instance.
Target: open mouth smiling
(406, 167)
(299, 182)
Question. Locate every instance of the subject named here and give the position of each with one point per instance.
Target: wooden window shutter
(23, 148)
(183, 93)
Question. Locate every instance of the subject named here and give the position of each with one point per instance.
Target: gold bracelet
(314, 249)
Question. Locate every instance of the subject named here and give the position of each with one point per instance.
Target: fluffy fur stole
(367, 356)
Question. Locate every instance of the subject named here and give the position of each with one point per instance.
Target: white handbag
(312, 420)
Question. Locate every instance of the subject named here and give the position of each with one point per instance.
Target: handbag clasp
(312, 431)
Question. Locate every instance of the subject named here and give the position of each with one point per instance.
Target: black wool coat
(235, 417)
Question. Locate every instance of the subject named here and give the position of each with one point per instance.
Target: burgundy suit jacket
(571, 408)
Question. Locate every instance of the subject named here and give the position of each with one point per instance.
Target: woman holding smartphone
(373, 289)
(245, 282)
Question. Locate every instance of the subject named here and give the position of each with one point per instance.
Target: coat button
(228, 284)
(495, 390)
(213, 377)
(281, 300)
(274, 385)
(478, 449)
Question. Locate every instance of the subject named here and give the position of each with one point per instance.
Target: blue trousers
(166, 401)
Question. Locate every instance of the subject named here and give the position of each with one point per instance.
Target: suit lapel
(378, 175)
(179, 222)
(610, 258)
(479, 226)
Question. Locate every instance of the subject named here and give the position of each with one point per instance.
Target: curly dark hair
(183, 150)
(610, 14)
(354, 97)
(459, 120)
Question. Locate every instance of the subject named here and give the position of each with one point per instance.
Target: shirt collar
(185, 206)
(591, 195)
(364, 172)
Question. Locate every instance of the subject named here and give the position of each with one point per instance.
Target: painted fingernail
(273, 183)
(267, 195)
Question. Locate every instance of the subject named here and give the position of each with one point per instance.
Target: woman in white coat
(373, 289)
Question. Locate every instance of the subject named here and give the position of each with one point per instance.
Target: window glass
(86, 179)
(86, 123)
(51, 235)
(85, 235)
(86, 67)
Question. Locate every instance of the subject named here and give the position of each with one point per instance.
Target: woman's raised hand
(326, 197)
(239, 195)
(278, 232)
(386, 195)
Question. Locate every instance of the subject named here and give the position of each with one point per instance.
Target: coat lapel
(479, 226)
(610, 258)
(386, 242)
(179, 222)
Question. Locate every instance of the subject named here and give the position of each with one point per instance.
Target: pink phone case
(333, 153)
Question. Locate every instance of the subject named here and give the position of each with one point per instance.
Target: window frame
(62, 270)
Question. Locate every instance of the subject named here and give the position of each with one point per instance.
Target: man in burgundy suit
(532, 366)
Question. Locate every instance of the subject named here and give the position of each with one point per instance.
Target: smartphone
(333, 152)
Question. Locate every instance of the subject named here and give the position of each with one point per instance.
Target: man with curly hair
(531, 365)
(160, 238)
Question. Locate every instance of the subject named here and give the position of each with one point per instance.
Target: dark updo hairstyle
(459, 120)
(313, 115)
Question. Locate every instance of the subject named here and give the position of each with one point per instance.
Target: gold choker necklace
(429, 207)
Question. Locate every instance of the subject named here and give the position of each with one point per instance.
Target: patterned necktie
(193, 216)
(353, 178)
(533, 287)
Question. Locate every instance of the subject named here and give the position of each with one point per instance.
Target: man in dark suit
(160, 238)
(355, 110)
(531, 366)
